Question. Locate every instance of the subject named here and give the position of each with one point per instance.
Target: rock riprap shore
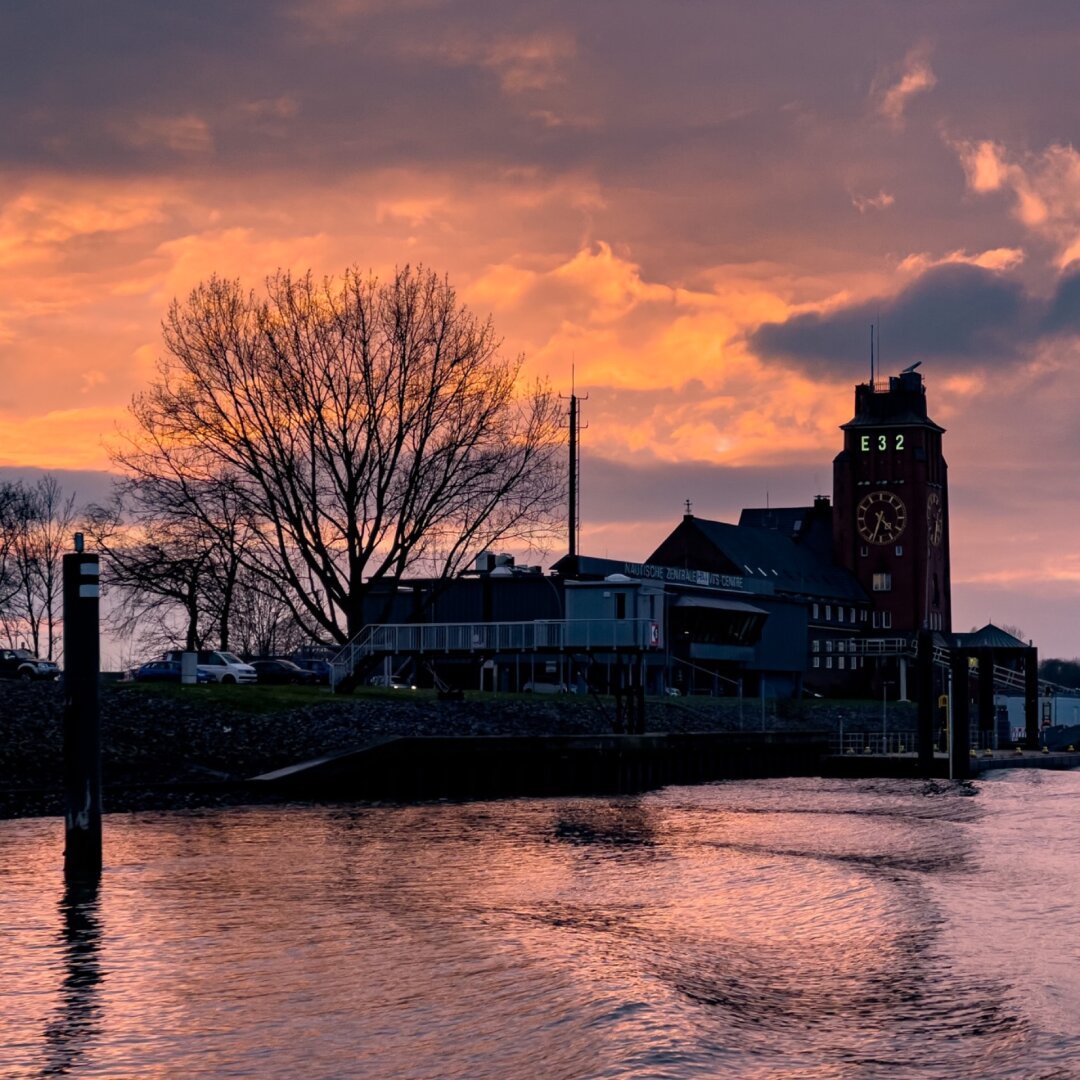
(164, 747)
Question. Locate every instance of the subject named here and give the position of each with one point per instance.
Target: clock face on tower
(934, 521)
(881, 517)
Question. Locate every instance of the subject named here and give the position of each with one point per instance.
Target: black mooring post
(82, 749)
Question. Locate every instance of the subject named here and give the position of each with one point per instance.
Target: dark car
(23, 664)
(284, 672)
(166, 671)
(319, 668)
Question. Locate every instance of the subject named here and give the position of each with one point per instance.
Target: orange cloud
(1045, 188)
(994, 259)
(916, 78)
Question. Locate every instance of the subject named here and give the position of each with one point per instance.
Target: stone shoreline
(168, 751)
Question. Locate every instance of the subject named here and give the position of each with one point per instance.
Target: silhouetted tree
(170, 550)
(365, 429)
(36, 523)
(1061, 672)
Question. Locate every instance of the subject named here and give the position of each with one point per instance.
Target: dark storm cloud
(1063, 315)
(956, 313)
(87, 485)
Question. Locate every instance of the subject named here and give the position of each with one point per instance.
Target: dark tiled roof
(773, 556)
(989, 637)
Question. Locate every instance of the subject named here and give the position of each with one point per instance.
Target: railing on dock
(488, 638)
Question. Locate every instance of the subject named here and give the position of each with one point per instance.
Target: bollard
(82, 749)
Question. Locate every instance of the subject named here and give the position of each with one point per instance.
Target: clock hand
(880, 518)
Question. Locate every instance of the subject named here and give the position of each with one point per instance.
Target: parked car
(221, 666)
(390, 682)
(167, 671)
(284, 672)
(23, 664)
(319, 668)
(544, 688)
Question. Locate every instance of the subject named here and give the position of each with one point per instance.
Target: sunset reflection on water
(763, 929)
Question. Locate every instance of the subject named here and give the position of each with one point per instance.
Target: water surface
(761, 929)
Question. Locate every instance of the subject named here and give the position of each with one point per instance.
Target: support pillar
(1031, 699)
(925, 694)
(959, 719)
(82, 744)
(986, 695)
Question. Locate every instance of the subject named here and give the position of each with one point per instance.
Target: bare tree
(262, 624)
(40, 524)
(161, 562)
(16, 513)
(365, 429)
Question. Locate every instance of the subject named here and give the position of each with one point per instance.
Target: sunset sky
(699, 206)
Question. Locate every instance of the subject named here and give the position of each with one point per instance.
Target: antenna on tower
(871, 356)
(573, 505)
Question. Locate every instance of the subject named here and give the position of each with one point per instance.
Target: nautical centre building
(819, 599)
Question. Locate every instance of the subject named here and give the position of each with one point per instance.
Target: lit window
(817, 612)
(839, 614)
(852, 615)
(828, 612)
(815, 645)
(882, 582)
(841, 645)
(828, 646)
(817, 661)
(828, 661)
(840, 663)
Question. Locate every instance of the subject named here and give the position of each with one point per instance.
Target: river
(761, 929)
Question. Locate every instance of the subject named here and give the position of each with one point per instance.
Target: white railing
(873, 742)
(549, 635)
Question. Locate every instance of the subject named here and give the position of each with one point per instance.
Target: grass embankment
(160, 736)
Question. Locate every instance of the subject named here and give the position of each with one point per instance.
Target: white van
(222, 667)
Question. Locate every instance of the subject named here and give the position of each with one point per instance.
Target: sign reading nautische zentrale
(678, 573)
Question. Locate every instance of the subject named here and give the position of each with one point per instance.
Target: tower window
(899, 549)
(882, 582)
(863, 551)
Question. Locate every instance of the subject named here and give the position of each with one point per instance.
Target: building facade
(891, 507)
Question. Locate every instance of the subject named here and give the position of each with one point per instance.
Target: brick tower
(891, 507)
